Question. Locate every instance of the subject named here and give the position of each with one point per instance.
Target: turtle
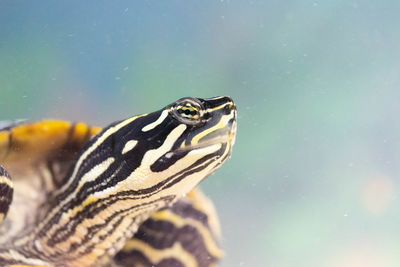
(125, 195)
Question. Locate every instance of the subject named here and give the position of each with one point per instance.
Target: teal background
(314, 175)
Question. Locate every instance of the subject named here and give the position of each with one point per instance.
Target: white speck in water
(126, 68)
(345, 215)
(118, 78)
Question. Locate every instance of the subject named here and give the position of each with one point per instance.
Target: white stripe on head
(95, 172)
(152, 125)
(129, 146)
(152, 155)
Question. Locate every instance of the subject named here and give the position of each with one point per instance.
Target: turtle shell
(39, 156)
(25, 145)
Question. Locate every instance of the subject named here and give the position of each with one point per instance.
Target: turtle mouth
(205, 144)
(226, 136)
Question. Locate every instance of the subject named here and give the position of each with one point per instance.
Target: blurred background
(314, 175)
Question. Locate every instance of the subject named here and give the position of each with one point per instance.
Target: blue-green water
(314, 176)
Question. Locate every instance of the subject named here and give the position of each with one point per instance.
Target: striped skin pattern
(182, 235)
(129, 170)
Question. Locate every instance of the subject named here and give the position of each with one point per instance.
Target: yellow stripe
(221, 124)
(6, 180)
(86, 202)
(205, 205)
(156, 256)
(179, 222)
(220, 107)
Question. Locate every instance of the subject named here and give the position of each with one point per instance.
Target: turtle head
(178, 145)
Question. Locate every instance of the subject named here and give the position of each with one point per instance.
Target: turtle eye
(188, 111)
